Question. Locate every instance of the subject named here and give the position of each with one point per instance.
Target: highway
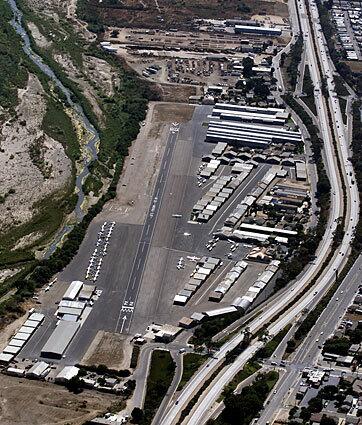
(202, 409)
(135, 279)
(307, 353)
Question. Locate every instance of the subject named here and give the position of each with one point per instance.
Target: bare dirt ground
(25, 402)
(39, 38)
(110, 349)
(146, 155)
(178, 93)
(176, 14)
(22, 182)
(356, 66)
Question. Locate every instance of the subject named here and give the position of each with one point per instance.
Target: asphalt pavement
(308, 352)
(135, 279)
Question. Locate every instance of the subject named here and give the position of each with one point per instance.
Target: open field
(24, 402)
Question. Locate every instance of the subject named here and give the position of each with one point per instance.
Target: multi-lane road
(346, 204)
(307, 353)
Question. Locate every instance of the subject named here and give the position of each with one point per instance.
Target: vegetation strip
(191, 362)
(160, 377)
(241, 408)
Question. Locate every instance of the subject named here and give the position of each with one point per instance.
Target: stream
(17, 23)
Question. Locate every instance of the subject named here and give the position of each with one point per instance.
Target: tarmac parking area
(139, 277)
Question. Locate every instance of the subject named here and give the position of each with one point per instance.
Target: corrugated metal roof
(73, 290)
(60, 339)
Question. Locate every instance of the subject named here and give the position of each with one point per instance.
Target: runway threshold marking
(124, 318)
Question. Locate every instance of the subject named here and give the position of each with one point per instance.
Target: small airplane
(193, 259)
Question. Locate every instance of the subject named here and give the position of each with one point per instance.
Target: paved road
(328, 275)
(308, 352)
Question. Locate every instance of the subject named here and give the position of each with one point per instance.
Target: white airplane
(193, 259)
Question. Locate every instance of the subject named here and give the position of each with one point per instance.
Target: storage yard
(213, 49)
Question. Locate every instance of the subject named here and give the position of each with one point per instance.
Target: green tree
(248, 64)
(137, 415)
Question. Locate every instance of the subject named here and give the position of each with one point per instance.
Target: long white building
(250, 126)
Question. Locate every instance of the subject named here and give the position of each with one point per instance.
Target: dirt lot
(356, 66)
(178, 93)
(110, 349)
(180, 14)
(25, 402)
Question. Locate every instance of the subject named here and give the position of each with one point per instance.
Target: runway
(135, 279)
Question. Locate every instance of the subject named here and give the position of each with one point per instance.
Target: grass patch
(204, 333)
(249, 369)
(343, 105)
(46, 222)
(271, 379)
(13, 70)
(58, 125)
(269, 348)
(191, 362)
(242, 408)
(159, 380)
(340, 86)
(92, 184)
(308, 89)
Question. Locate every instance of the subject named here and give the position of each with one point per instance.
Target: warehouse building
(60, 339)
(69, 310)
(38, 371)
(249, 135)
(256, 30)
(253, 127)
(86, 292)
(268, 230)
(6, 358)
(300, 171)
(73, 290)
(66, 374)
